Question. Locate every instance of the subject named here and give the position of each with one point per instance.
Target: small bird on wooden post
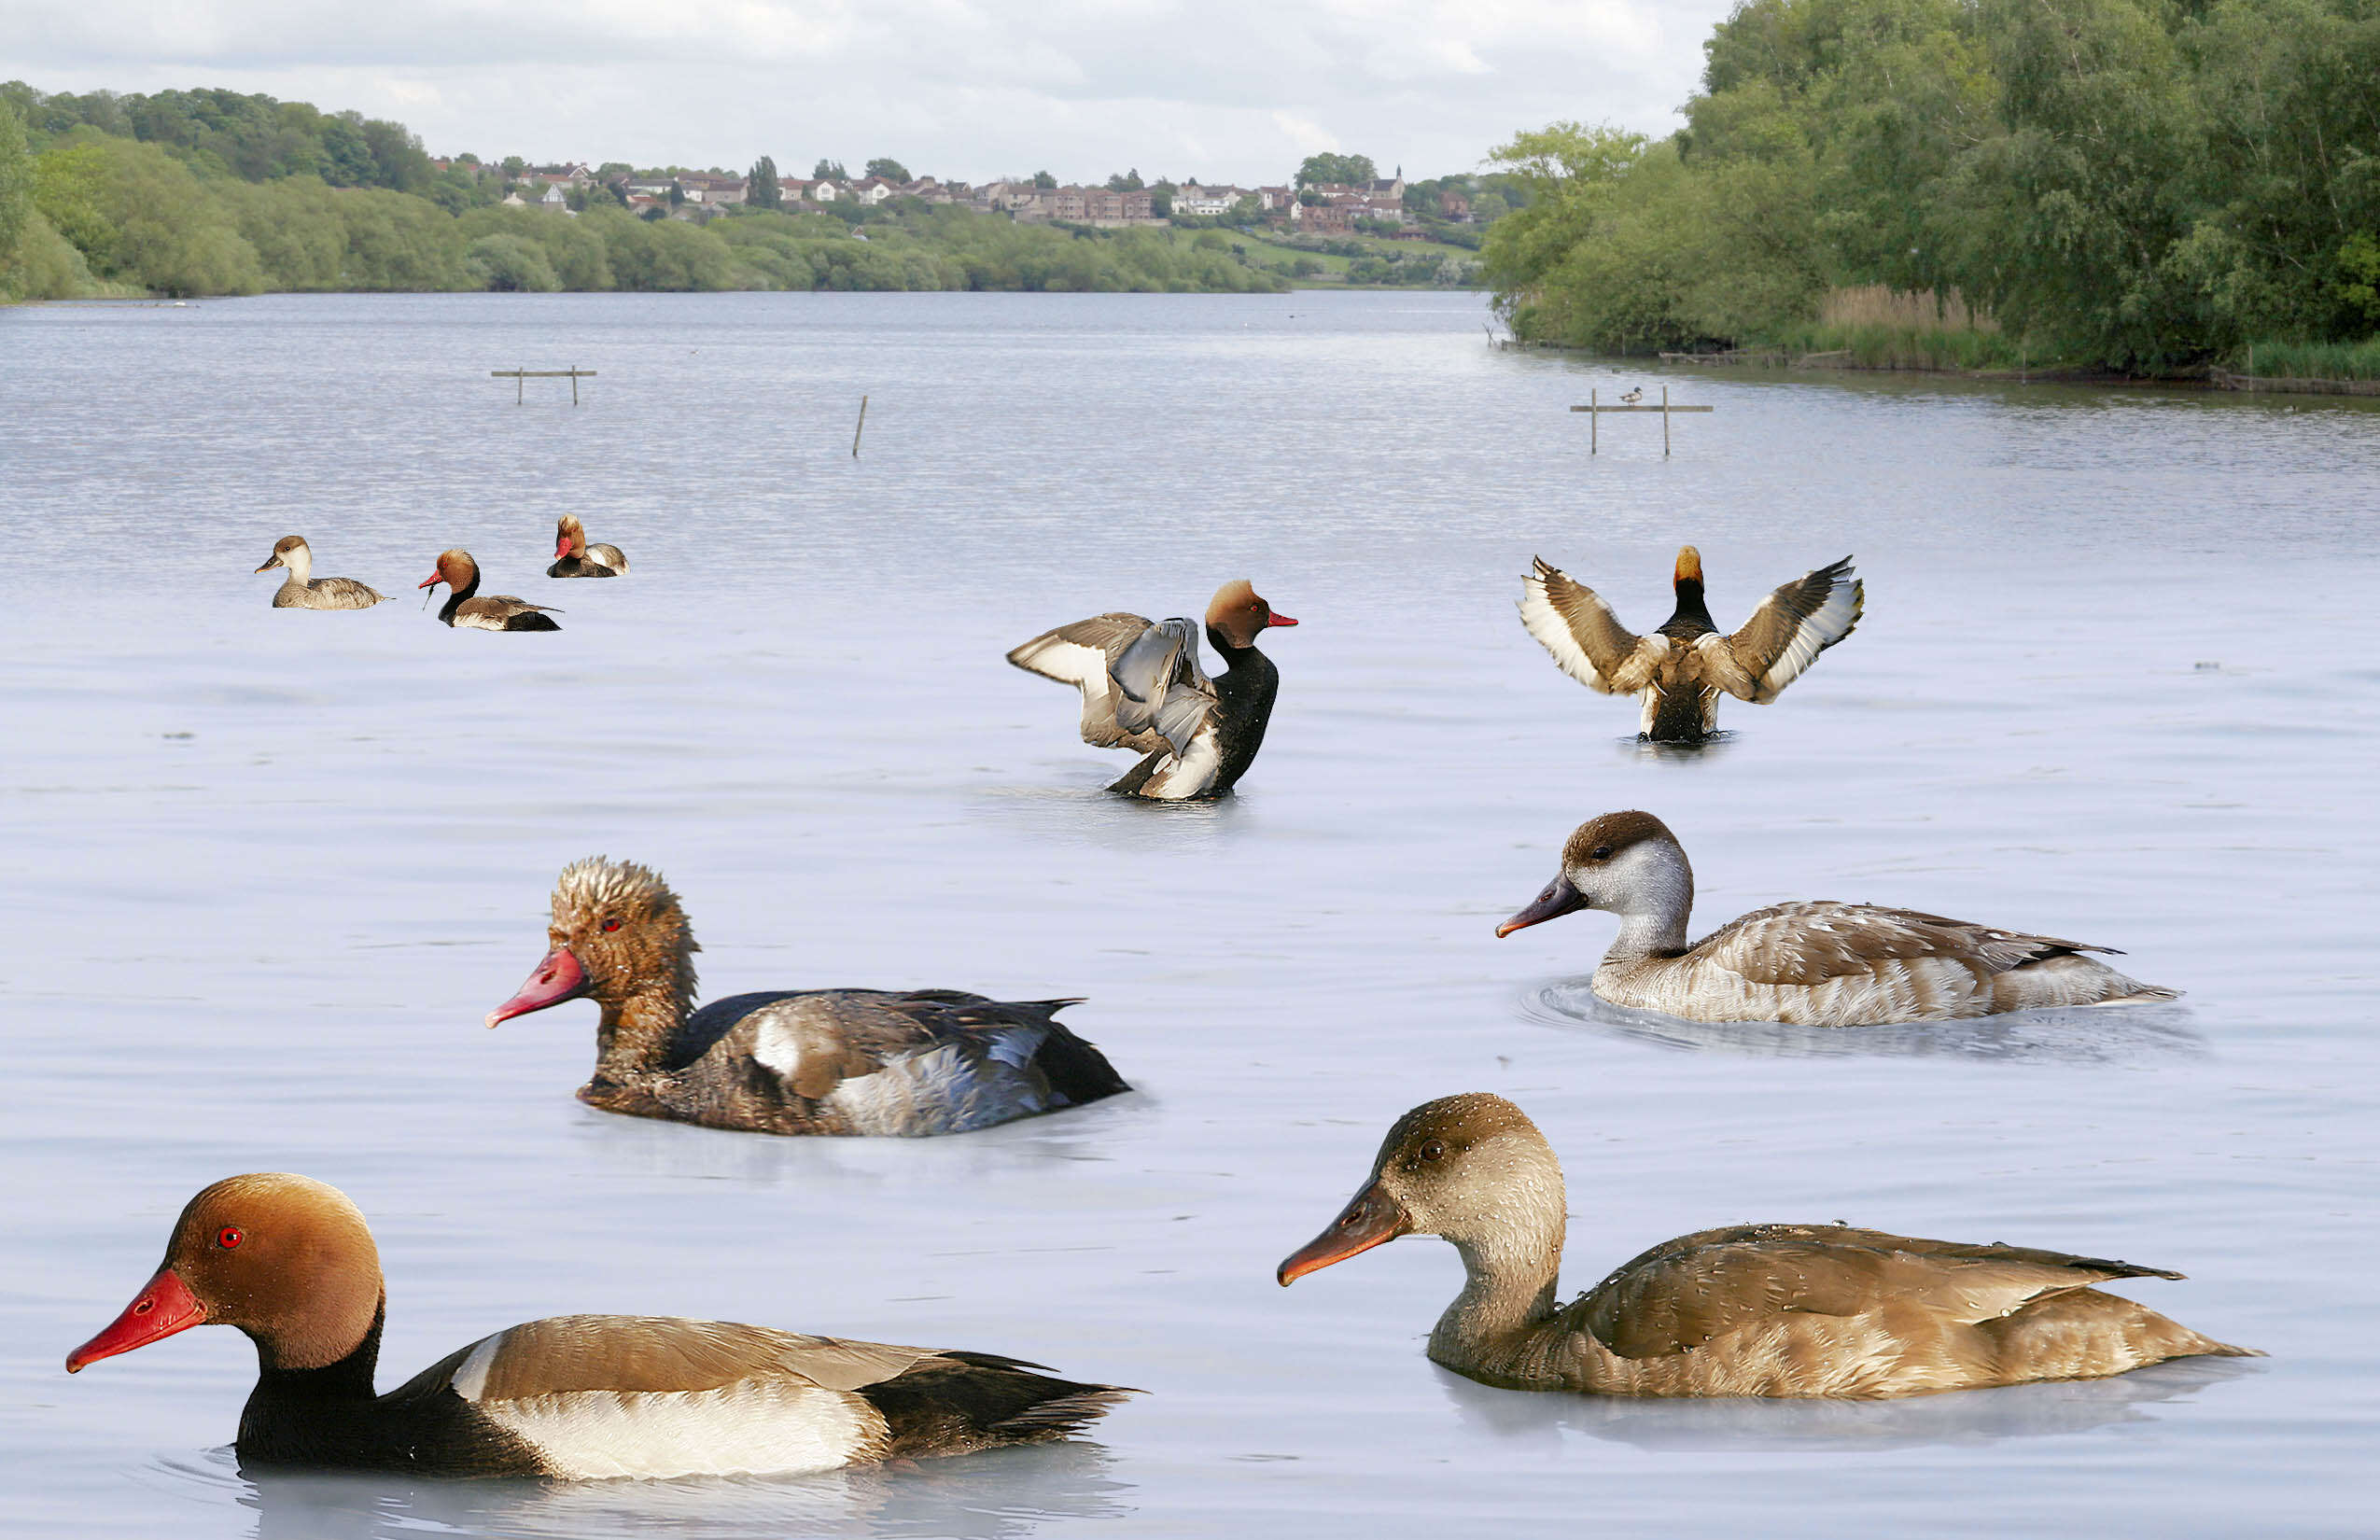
(1632, 396)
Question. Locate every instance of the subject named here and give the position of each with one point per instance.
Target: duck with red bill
(164, 1306)
(557, 978)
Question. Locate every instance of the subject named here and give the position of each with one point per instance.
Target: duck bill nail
(1559, 899)
(558, 978)
(164, 1306)
(1283, 620)
(1371, 1219)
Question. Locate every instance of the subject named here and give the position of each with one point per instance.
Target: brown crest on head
(1689, 565)
(1601, 838)
(569, 536)
(287, 544)
(286, 1259)
(624, 925)
(1238, 614)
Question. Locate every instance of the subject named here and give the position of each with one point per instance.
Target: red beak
(432, 581)
(562, 546)
(1279, 619)
(1371, 1218)
(558, 978)
(164, 1306)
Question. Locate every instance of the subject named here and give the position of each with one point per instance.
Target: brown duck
(301, 589)
(465, 607)
(1142, 690)
(575, 558)
(290, 1262)
(788, 1061)
(1679, 670)
(1750, 1310)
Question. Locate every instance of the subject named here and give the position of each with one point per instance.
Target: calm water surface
(264, 871)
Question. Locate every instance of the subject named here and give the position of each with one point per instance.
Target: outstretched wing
(1579, 629)
(1079, 654)
(1159, 686)
(1785, 634)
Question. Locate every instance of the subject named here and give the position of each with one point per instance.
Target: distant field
(1262, 248)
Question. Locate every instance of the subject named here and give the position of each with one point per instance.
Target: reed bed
(2311, 360)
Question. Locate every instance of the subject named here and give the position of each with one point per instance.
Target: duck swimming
(1814, 962)
(1747, 1309)
(1679, 670)
(576, 558)
(303, 591)
(290, 1262)
(1142, 690)
(788, 1061)
(495, 612)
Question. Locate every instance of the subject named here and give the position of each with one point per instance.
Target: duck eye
(611, 922)
(1433, 1149)
(228, 1236)
(1601, 852)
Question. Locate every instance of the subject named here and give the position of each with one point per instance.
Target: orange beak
(1371, 1218)
(164, 1306)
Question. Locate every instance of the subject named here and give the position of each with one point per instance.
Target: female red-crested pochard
(301, 590)
(575, 558)
(1679, 670)
(1142, 690)
(788, 1061)
(289, 1261)
(465, 607)
(1749, 1310)
(1814, 962)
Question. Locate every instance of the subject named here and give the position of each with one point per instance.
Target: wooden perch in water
(574, 374)
(1596, 409)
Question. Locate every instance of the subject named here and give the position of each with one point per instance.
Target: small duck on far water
(496, 612)
(1632, 396)
(300, 591)
(575, 558)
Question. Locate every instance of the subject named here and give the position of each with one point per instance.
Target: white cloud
(964, 89)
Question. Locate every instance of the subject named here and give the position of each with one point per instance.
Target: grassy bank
(1873, 327)
(2309, 361)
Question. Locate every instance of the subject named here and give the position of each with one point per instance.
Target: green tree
(828, 171)
(763, 191)
(16, 184)
(1125, 181)
(1043, 180)
(1350, 170)
(889, 169)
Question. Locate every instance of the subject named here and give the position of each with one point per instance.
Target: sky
(1225, 91)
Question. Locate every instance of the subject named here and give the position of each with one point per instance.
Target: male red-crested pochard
(465, 607)
(788, 1061)
(575, 558)
(301, 590)
(289, 1261)
(1142, 690)
(1679, 670)
(1814, 962)
(1748, 1309)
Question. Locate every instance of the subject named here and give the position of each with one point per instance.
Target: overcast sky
(966, 90)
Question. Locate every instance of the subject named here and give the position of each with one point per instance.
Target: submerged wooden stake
(1665, 422)
(862, 429)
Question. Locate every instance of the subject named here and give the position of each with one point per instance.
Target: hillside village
(1378, 205)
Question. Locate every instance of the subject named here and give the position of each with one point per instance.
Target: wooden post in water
(862, 429)
(574, 385)
(520, 383)
(1594, 418)
(520, 378)
(1665, 422)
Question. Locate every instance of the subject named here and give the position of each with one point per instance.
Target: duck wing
(1574, 624)
(1159, 686)
(1795, 624)
(1812, 941)
(1684, 1293)
(922, 1061)
(1080, 654)
(345, 593)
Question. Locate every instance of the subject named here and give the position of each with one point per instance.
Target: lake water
(265, 871)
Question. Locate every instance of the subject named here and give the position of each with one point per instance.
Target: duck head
(286, 1259)
(290, 550)
(1628, 863)
(1471, 1169)
(1690, 567)
(618, 931)
(456, 569)
(570, 536)
(1236, 614)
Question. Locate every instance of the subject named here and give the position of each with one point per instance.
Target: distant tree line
(2141, 184)
(211, 192)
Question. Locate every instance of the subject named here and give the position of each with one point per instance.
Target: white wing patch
(942, 1090)
(1545, 622)
(1190, 773)
(780, 1426)
(1830, 623)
